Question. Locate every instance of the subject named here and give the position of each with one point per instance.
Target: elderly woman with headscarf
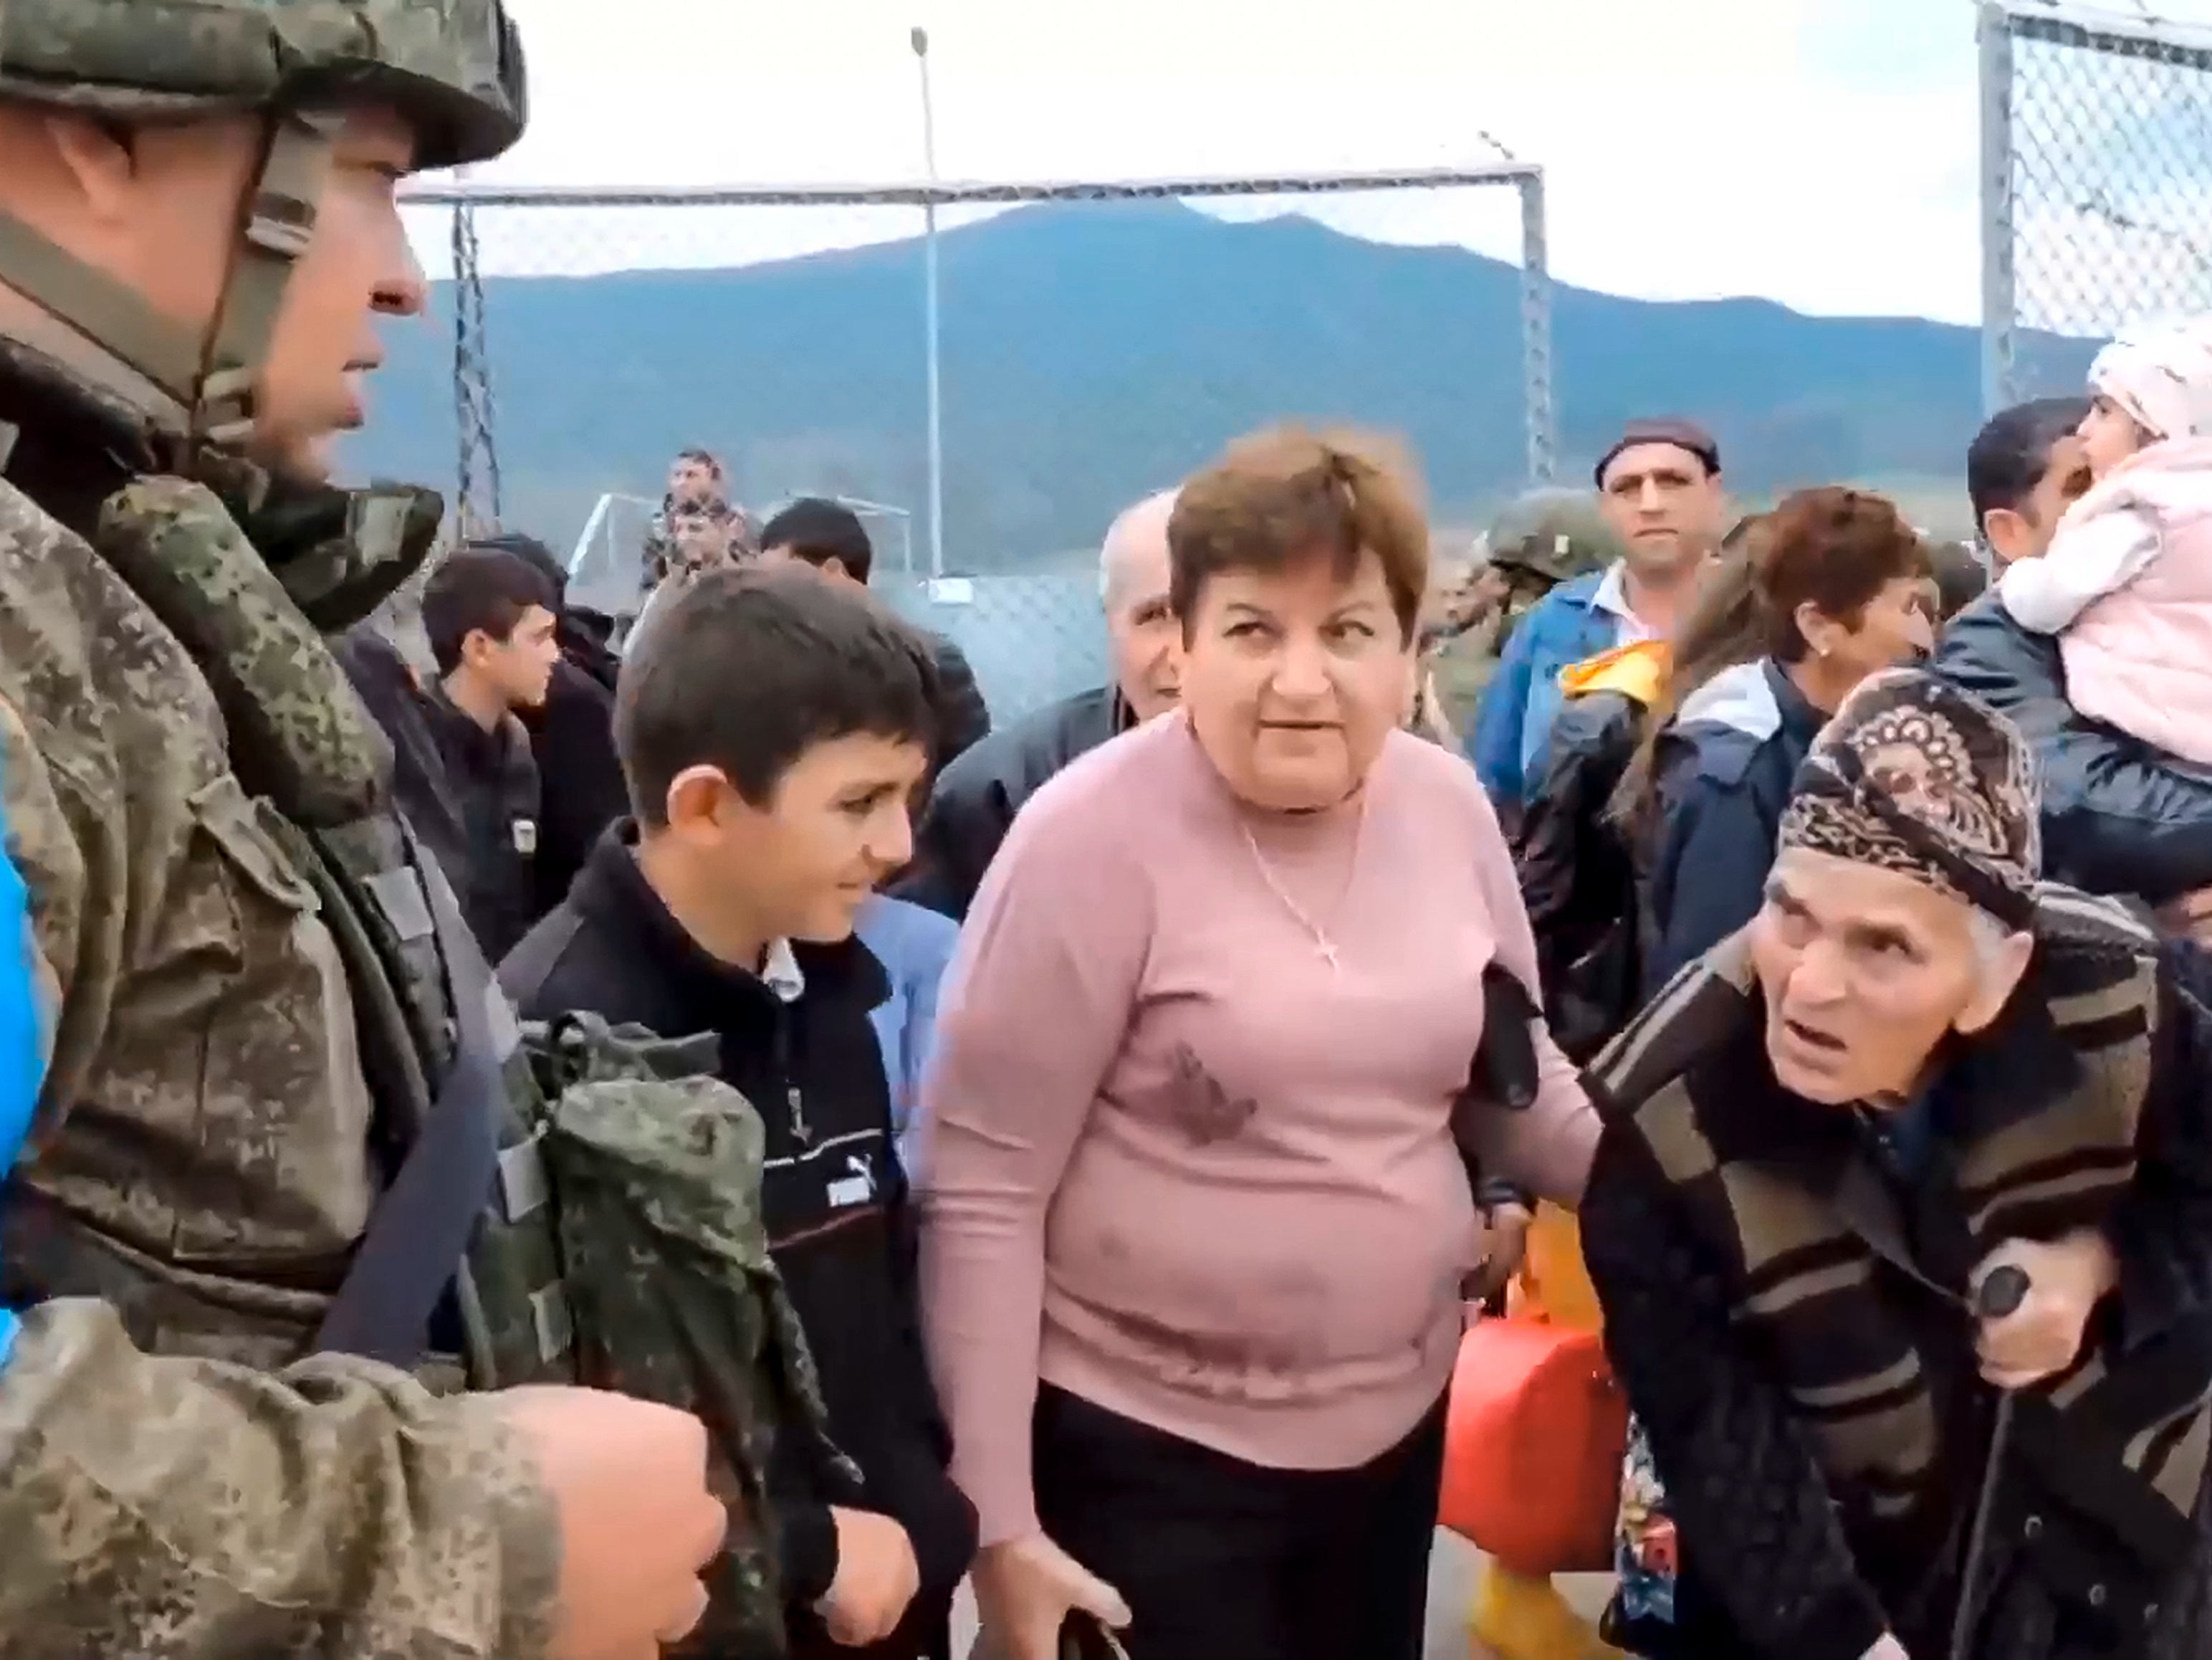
(1914, 1069)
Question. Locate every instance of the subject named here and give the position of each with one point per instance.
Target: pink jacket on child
(2128, 587)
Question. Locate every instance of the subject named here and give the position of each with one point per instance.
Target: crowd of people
(569, 1138)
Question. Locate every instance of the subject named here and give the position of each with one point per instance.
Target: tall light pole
(920, 39)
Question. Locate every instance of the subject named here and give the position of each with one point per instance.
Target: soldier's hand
(877, 1577)
(628, 1483)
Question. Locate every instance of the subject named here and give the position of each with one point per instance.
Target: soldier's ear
(95, 161)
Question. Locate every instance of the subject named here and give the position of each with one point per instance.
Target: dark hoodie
(494, 776)
(841, 1222)
(571, 736)
(421, 786)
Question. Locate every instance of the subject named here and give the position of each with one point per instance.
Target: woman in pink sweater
(1196, 1221)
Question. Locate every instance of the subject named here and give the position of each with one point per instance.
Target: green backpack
(654, 1169)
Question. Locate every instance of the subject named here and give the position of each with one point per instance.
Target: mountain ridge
(1093, 352)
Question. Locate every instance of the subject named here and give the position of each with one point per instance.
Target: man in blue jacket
(1660, 490)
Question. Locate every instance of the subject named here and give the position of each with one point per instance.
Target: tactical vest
(315, 765)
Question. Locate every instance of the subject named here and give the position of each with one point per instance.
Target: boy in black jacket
(772, 731)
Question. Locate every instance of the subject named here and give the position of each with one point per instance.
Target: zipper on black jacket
(794, 1103)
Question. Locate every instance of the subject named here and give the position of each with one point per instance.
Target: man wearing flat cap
(1659, 491)
(1916, 1067)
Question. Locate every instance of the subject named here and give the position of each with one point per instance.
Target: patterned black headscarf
(1914, 776)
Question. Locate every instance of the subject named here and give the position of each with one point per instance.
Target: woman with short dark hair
(1198, 1214)
(1841, 583)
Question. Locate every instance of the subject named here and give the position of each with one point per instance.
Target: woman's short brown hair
(1279, 498)
(1834, 548)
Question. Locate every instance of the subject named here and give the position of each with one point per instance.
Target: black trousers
(1219, 1560)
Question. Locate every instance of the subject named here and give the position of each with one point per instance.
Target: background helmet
(454, 70)
(1553, 535)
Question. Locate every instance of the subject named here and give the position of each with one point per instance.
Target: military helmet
(1553, 535)
(453, 67)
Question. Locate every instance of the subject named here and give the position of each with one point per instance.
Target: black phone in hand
(1086, 1637)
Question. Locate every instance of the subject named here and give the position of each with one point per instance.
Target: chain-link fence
(2096, 186)
(1094, 341)
(1031, 638)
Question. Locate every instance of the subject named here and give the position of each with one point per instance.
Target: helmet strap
(212, 379)
(278, 221)
(111, 315)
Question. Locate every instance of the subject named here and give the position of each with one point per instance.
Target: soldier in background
(260, 1135)
(1456, 625)
(1541, 540)
(696, 480)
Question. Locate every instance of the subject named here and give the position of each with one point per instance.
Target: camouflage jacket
(179, 1510)
(207, 1121)
(202, 1160)
(655, 1166)
(206, 1118)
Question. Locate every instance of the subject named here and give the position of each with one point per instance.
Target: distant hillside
(1093, 352)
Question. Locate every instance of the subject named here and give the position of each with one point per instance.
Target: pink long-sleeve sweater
(1185, 1167)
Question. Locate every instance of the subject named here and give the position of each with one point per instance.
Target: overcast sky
(1820, 152)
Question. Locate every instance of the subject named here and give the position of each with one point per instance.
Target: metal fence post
(1541, 418)
(1994, 32)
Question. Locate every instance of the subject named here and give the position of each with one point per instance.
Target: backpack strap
(420, 1231)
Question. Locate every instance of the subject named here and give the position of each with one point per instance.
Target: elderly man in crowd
(976, 797)
(1902, 1224)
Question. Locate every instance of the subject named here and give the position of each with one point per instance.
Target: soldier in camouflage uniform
(1541, 539)
(260, 1011)
(1545, 537)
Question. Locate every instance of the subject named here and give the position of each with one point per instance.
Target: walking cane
(1998, 1295)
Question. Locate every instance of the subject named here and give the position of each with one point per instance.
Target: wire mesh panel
(1094, 342)
(1031, 639)
(605, 563)
(2097, 185)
